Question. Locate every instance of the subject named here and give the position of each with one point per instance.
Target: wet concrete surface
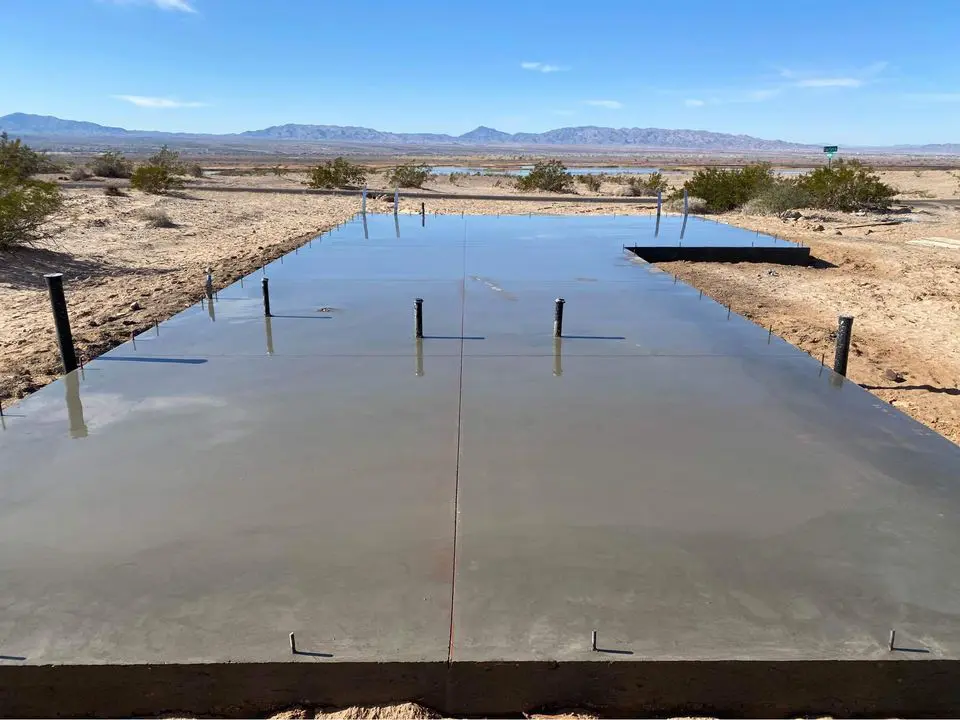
(667, 473)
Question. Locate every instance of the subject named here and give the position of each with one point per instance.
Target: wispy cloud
(158, 102)
(542, 67)
(694, 103)
(851, 79)
(177, 5)
(825, 82)
(608, 104)
(935, 97)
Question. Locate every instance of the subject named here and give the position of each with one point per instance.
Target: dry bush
(111, 165)
(79, 173)
(337, 173)
(157, 218)
(593, 182)
(112, 190)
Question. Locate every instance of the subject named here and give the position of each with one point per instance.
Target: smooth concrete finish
(667, 473)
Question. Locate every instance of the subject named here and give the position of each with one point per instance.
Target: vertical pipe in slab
(418, 318)
(61, 319)
(558, 317)
(842, 353)
(396, 201)
(265, 285)
(363, 200)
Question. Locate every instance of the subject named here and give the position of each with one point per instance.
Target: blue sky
(858, 72)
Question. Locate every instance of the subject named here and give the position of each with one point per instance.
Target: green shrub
(593, 182)
(25, 206)
(337, 173)
(19, 159)
(846, 185)
(455, 177)
(549, 175)
(412, 175)
(193, 170)
(154, 179)
(723, 189)
(79, 173)
(647, 185)
(111, 165)
(781, 196)
(167, 159)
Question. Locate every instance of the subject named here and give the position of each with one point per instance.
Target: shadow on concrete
(12, 657)
(303, 317)
(608, 651)
(175, 361)
(454, 337)
(313, 654)
(592, 337)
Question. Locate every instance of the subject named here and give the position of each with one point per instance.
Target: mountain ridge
(585, 135)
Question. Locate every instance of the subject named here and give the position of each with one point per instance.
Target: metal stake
(396, 201)
(293, 644)
(61, 319)
(418, 318)
(893, 638)
(842, 351)
(209, 284)
(265, 285)
(363, 201)
(558, 317)
(593, 641)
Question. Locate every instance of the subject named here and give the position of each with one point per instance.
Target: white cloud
(761, 95)
(542, 67)
(158, 102)
(176, 5)
(693, 102)
(824, 82)
(608, 104)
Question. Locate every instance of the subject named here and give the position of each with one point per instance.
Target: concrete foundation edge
(895, 688)
(669, 253)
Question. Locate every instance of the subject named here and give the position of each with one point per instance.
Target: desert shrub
(337, 173)
(79, 173)
(167, 159)
(154, 179)
(21, 160)
(157, 218)
(193, 170)
(455, 177)
(846, 185)
(279, 170)
(408, 175)
(593, 182)
(549, 175)
(647, 185)
(25, 206)
(777, 198)
(723, 189)
(695, 205)
(112, 190)
(111, 165)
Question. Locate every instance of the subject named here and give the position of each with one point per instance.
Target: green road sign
(830, 149)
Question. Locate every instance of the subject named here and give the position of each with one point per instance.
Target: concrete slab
(698, 508)
(667, 473)
(207, 510)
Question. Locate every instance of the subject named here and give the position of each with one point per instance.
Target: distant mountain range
(645, 138)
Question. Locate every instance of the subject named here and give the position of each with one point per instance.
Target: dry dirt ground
(121, 275)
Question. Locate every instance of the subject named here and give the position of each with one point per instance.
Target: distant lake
(525, 170)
